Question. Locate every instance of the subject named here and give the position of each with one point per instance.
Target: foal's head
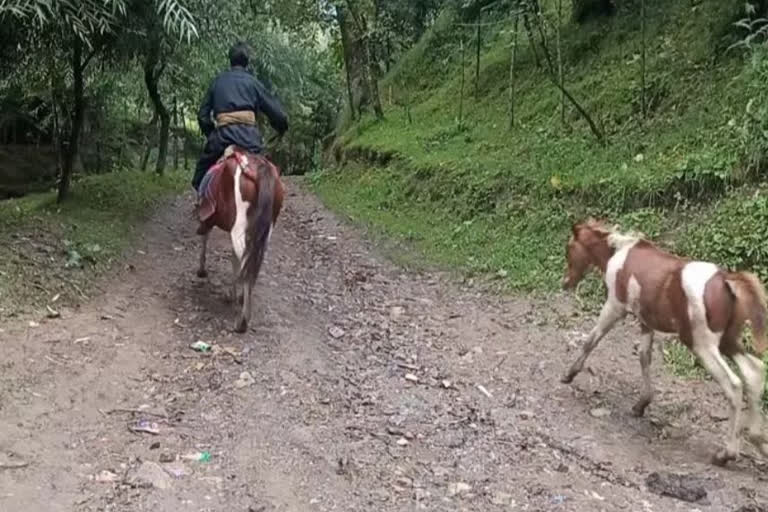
(587, 247)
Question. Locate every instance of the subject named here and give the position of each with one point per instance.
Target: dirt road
(367, 388)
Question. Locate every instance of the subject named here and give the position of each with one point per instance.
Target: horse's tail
(258, 225)
(751, 299)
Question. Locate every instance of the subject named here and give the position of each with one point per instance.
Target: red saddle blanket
(217, 177)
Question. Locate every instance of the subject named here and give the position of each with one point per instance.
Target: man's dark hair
(238, 55)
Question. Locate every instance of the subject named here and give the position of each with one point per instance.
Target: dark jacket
(236, 89)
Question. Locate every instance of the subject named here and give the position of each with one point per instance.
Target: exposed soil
(368, 388)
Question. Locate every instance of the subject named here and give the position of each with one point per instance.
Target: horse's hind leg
(237, 291)
(706, 347)
(753, 371)
(646, 353)
(201, 271)
(245, 313)
(609, 315)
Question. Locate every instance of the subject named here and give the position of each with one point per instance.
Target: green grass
(49, 250)
(682, 363)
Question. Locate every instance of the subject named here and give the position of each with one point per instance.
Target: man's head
(238, 55)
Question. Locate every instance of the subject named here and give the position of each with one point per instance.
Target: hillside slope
(473, 192)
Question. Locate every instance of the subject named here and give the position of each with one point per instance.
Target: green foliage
(734, 235)
(87, 18)
(682, 362)
(754, 129)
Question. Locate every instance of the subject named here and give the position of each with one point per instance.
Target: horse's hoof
(202, 273)
(723, 457)
(567, 378)
(241, 325)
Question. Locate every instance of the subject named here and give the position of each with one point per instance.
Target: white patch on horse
(633, 296)
(241, 218)
(695, 277)
(612, 269)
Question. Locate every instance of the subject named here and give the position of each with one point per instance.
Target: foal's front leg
(201, 271)
(646, 353)
(609, 315)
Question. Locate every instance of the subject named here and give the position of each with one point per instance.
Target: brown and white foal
(706, 306)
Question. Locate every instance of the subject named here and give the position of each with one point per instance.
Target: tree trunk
(184, 137)
(643, 104)
(373, 84)
(153, 70)
(552, 74)
(461, 89)
(477, 60)
(147, 142)
(560, 76)
(162, 150)
(56, 136)
(356, 41)
(512, 62)
(370, 70)
(78, 115)
(357, 87)
(175, 132)
(531, 38)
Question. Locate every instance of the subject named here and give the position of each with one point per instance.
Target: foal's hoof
(202, 273)
(241, 325)
(567, 378)
(723, 457)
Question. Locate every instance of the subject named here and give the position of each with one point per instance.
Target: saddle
(210, 191)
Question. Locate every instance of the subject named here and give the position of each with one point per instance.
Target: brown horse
(243, 195)
(704, 305)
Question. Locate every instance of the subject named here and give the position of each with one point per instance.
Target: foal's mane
(615, 238)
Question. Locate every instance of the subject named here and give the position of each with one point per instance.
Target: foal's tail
(751, 302)
(258, 225)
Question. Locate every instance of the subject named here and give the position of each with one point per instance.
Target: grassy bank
(50, 251)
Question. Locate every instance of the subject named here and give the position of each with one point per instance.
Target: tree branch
(552, 75)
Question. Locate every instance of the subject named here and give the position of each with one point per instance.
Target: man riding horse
(234, 98)
(241, 193)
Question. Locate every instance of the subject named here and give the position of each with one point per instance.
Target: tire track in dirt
(365, 392)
